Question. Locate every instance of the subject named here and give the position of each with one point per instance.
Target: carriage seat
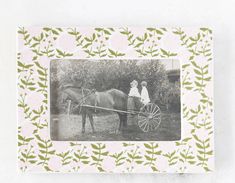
(134, 103)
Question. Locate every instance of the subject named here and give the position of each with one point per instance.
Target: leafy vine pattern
(195, 150)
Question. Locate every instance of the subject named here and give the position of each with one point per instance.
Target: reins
(83, 98)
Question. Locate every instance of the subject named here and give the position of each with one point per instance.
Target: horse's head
(69, 94)
(74, 93)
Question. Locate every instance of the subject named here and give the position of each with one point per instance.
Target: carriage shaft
(104, 108)
(112, 110)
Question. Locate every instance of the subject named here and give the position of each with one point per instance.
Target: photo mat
(193, 47)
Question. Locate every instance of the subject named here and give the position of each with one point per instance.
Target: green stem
(44, 162)
(204, 154)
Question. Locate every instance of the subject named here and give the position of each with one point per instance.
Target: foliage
(169, 95)
(195, 54)
(45, 149)
(23, 140)
(28, 157)
(99, 153)
(152, 152)
(134, 157)
(107, 74)
(80, 156)
(204, 151)
(172, 158)
(66, 157)
(119, 158)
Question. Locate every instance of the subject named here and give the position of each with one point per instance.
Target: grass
(70, 127)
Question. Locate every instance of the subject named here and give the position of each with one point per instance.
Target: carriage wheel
(149, 117)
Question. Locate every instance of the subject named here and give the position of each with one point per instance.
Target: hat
(134, 82)
(144, 83)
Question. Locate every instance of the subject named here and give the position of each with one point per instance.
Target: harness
(84, 97)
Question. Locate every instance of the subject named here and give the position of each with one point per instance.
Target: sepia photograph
(115, 100)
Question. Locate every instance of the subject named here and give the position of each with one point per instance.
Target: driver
(134, 103)
(134, 92)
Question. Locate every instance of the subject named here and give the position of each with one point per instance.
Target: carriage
(148, 116)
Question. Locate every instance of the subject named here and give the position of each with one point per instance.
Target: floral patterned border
(192, 46)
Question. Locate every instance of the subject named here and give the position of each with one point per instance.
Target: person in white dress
(144, 93)
(134, 92)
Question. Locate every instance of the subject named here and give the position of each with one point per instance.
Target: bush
(107, 74)
(169, 96)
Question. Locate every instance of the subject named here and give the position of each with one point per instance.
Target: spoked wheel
(149, 117)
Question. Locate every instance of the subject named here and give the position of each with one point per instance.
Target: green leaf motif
(193, 150)
(98, 154)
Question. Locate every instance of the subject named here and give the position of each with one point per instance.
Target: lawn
(64, 127)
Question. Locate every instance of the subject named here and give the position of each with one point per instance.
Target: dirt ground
(69, 128)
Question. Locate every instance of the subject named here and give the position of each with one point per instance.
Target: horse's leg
(83, 121)
(124, 120)
(91, 122)
(120, 122)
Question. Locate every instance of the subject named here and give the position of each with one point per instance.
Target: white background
(220, 15)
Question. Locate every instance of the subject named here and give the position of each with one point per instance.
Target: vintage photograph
(115, 100)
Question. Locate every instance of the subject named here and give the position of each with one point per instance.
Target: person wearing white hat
(134, 92)
(134, 102)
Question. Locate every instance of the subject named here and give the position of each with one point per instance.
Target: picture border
(191, 46)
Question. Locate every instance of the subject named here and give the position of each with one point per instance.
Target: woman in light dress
(144, 93)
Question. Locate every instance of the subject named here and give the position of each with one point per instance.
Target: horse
(110, 99)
